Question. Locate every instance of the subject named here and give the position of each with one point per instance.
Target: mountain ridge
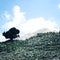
(43, 46)
(43, 30)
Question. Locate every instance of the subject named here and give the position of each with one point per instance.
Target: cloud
(17, 19)
(7, 15)
(35, 24)
(28, 26)
(58, 5)
(2, 38)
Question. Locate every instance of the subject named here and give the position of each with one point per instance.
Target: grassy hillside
(43, 46)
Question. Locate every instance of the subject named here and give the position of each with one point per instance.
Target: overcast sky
(29, 15)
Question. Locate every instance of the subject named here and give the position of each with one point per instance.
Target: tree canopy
(12, 33)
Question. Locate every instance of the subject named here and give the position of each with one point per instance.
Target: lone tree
(12, 33)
